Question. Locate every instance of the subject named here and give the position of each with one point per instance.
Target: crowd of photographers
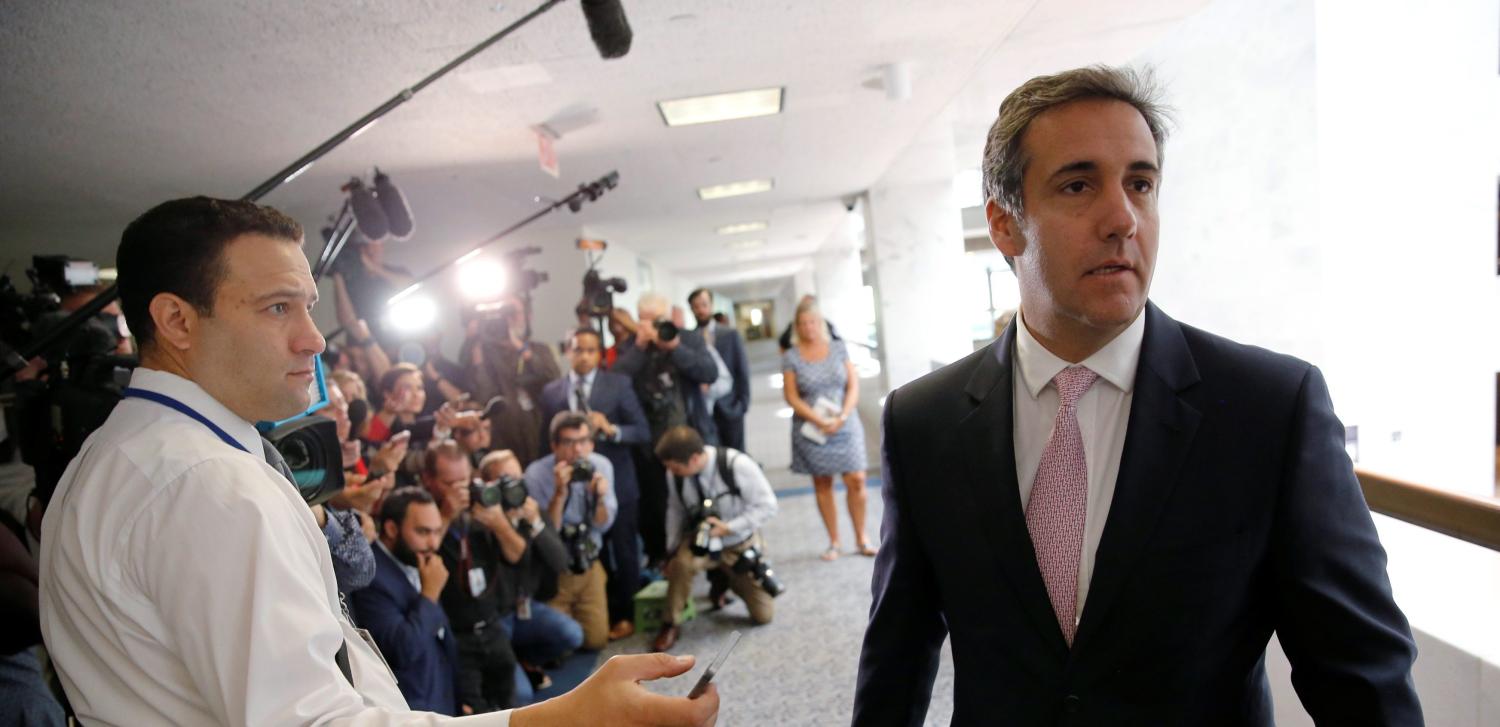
(501, 512)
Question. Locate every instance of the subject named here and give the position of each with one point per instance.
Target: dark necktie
(583, 399)
(276, 461)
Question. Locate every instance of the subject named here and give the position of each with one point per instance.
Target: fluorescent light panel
(735, 189)
(721, 107)
(742, 227)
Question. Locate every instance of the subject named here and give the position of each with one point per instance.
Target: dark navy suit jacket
(613, 395)
(413, 634)
(1236, 514)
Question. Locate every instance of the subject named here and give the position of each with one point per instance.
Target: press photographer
(538, 633)
(667, 366)
(619, 426)
(719, 500)
(504, 362)
(574, 487)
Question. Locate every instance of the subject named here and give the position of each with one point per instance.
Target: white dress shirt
(1103, 412)
(575, 382)
(184, 581)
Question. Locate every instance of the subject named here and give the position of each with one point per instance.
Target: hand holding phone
(714, 666)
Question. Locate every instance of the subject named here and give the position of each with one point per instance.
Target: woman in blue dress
(816, 371)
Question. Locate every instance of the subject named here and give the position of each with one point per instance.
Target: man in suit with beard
(1108, 511)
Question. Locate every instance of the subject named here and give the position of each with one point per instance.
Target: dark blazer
(414, 635)
(613, 395)
(1236, 514)
(693, 366)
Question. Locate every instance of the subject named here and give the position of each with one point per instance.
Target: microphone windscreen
(608, 27)
(367, 212)
(397, 214)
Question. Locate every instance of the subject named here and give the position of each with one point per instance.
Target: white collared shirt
(587, 382)
(184, 581)
(1103, 412)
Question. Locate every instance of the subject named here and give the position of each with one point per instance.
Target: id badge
(523, 608)
(523, 400)
(476, 582)
(665, 378)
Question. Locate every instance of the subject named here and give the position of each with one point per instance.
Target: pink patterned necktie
(1059, 500)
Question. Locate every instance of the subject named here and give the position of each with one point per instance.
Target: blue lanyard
(167, 401)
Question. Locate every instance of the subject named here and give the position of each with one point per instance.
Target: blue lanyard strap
(167, 401)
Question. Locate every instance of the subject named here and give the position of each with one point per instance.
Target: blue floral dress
(845, 450)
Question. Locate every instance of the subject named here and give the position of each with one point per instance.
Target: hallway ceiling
(112, 107)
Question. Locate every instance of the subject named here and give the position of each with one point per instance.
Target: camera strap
(170, 403)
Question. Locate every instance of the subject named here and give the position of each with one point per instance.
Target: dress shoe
(665, 639)
(621, 630)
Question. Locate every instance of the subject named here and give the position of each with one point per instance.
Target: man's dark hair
(566, 420)
(679, 444)
(698, 291)
(399, 501)
(177, 247)
(589, 331)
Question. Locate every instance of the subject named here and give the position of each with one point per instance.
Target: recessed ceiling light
(742, 227)
(745, 244)
(735, 189)
(721, 107)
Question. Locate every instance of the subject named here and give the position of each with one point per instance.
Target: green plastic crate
(651, 603)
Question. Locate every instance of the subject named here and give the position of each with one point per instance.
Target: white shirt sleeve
(263, 654)
(756, 494)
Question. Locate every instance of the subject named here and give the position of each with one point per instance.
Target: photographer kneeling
(717, 502)
(575, 488)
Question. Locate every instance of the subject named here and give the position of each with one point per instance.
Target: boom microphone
(367, 212)
(397, 214)
(608, 27)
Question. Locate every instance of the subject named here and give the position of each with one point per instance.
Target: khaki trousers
(582, 597)
(684, 566)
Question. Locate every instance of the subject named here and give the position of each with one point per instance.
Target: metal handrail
(1466, 517)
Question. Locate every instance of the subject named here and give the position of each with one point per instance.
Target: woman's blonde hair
(808, 305)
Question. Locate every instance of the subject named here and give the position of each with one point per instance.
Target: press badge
(524, 400)
(523, 608)
(476, 582)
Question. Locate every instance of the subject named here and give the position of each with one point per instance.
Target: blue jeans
(547, 635)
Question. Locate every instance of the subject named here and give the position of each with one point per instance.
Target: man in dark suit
(728, 410)
(1111, 512)
(400, 606)
(608, 399)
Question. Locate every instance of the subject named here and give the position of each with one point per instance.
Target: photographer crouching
(575, 488)
(717, 503)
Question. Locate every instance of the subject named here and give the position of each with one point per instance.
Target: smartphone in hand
(714, 666)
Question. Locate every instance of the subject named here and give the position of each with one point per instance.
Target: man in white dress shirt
(183, 579)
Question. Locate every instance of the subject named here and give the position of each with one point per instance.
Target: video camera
(84, 375)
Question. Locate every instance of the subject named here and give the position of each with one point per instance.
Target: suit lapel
(987, 435)
(1158, 437)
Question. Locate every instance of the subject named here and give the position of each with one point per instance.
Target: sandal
(866, 550)
(831, 554)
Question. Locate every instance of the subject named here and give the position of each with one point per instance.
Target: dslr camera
(704, 544)
(507, 492)
(666, 330)
(754, 562)
(582, 552)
